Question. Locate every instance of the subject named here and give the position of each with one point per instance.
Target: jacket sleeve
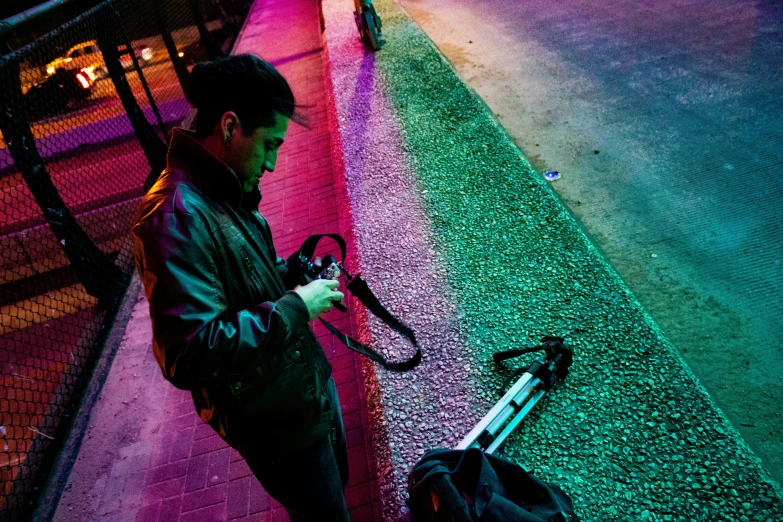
(195, 337)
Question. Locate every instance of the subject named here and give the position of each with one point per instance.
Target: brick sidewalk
(146, 456)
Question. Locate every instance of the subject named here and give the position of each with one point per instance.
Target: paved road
(665, 123)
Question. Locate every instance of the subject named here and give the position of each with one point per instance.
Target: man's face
(250, 155)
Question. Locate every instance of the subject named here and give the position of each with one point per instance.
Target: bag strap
(432, 478)
(358, 287)
(432, 464)
(452, 506)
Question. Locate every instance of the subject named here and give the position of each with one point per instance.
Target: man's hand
(319, 296)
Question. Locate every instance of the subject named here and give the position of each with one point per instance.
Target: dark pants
(309, 483)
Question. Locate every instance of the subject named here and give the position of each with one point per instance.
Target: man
(224, 325)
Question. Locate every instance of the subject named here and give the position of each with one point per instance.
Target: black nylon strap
(356, 346)
(308, 247)
(359, 288)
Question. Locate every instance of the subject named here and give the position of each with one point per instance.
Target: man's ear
(228, 124)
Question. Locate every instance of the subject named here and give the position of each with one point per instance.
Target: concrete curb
(655, 446)
(375, 239)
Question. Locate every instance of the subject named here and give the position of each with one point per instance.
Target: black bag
(463, 486)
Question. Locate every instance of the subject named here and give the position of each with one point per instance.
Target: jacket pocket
(252, 286)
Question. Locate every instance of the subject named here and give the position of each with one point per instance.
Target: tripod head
(559, 357)
(558, 351)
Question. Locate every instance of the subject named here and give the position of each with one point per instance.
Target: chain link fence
(85, 116)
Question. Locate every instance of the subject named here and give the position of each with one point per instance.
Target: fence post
(144, 85)
(229, 23)
(213, 51)
(99, 275)
(162, 17)
(153, 147)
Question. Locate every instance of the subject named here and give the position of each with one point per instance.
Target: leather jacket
(223, 324)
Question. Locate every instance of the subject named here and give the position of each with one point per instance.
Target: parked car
(65, 89)
(87, 57)
(143, 55)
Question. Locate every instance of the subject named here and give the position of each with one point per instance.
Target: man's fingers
(331, 284)
(337, 296)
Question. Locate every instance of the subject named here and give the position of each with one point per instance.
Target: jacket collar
(213, 177)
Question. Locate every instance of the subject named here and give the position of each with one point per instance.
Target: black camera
(302, 270)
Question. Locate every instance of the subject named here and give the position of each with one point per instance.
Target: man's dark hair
(244, 84)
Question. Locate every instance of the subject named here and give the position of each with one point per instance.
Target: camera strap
(358, 287)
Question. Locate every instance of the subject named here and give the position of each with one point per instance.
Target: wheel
(372, 28)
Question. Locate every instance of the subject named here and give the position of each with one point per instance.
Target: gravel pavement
(458, 235)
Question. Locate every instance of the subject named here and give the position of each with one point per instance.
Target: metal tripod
(537, 379)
